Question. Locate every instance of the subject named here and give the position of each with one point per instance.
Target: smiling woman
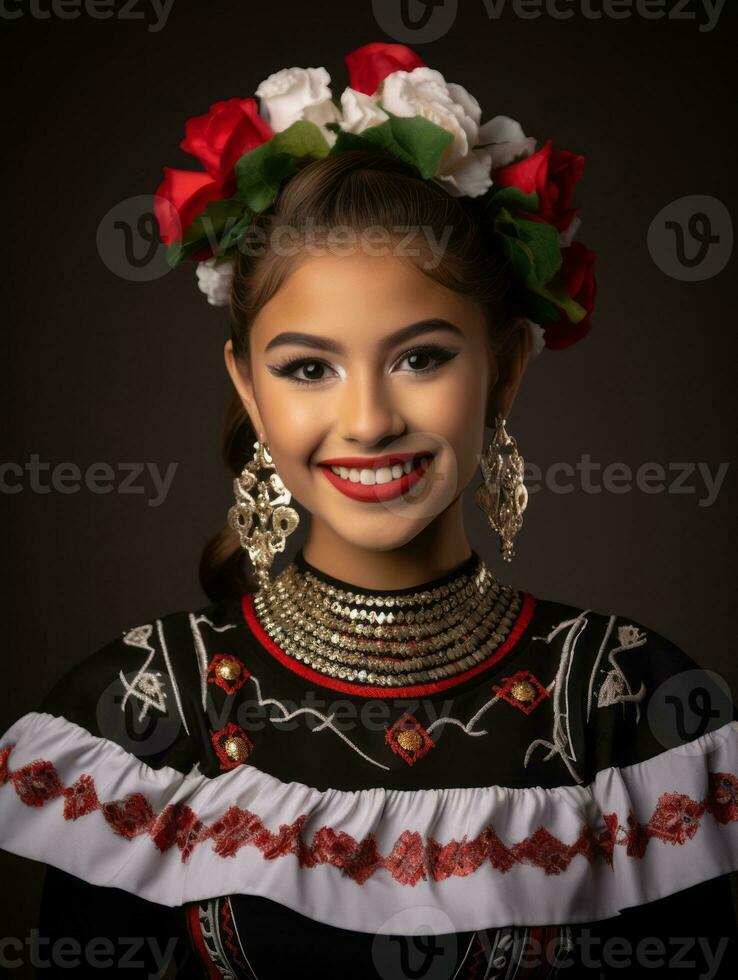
(508, 785)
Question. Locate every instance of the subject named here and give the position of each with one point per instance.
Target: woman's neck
(433, 552)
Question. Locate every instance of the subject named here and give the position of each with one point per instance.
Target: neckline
(263, 614)
(466, 567)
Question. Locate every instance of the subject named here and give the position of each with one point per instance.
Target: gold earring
(503, 496)
(275, 519)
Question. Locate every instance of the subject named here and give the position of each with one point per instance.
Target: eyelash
(285, 369)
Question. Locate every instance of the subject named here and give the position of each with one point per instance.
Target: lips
(377, 492)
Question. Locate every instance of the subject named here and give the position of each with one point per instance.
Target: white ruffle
(486, 897)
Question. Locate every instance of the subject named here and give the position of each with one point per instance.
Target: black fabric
(284, 943)
(694, 928)
(87, 931)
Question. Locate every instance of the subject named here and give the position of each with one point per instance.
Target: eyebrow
(398, 337)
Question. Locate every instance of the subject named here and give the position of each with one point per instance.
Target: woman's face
(386, 362)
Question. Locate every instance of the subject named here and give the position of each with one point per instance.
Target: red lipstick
(377, 492)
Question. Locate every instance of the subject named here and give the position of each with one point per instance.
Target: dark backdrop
(103, 369)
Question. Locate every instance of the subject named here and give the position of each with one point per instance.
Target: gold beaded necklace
(391, 638)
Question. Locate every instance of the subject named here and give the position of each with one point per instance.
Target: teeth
(385, 474)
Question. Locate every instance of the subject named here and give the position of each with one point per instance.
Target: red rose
(218, 139)
(577, 277)
(181, 196)
(552, 175)
(227, 131)
(370, 64)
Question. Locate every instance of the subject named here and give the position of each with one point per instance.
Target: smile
(387, 477)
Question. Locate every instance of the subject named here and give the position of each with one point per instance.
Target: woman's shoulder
(141, 689)
(630, 688)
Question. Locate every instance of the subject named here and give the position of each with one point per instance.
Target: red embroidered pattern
(521, 677)
(409, 747)
(412, 858)
(214, 677)
(220, 739)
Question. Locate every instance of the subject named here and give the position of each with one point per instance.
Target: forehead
(372, 294)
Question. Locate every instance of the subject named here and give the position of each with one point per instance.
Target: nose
(367, 413)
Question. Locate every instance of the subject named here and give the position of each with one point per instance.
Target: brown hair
(356, 190)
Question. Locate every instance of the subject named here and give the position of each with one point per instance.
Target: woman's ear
(243, 384)
(509, 367)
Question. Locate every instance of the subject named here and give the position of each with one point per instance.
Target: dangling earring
(275, 519)
(503, 496)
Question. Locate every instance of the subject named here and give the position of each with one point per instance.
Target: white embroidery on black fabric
(612, 690)
(562, 743)
(201, 650)
(238, 937)
(465, 957)
(467, 727)
(172, 678)
(615, 684)
(605, 638)
(208, 919)
(327, 720)
(145, 686)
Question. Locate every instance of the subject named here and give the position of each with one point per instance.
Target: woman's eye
(312, 371)
(425, 359)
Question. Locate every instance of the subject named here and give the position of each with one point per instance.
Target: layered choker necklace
(389, 637)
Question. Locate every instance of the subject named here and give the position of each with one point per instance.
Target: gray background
(99, 368)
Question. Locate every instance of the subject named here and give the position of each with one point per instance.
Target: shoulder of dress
(142, 689)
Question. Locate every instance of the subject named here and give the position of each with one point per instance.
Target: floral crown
(394, 102)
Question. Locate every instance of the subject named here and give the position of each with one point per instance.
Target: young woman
(383, 760)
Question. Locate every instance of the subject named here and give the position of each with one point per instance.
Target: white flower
(425, 92)
(360, 111)
(322, 113)
(509, 138)
(215, 280)
(537, 338)
(285, 95)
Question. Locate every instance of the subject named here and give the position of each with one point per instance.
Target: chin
(372, 534)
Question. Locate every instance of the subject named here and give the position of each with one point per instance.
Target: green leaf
(301, 139)
(423, 141)
(531, 246)
(511, 197)
(208, 230)
(555, 291)
(415, 141)
(260, 172)
(235, 234)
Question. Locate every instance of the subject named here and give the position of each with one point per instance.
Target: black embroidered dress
(195, 784)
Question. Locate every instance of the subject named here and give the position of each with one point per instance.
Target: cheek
(454, 410)
(294, 428)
